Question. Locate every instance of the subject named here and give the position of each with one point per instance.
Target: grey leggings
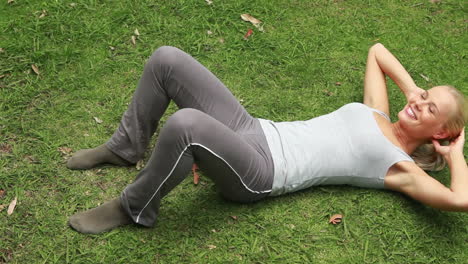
(212, 130)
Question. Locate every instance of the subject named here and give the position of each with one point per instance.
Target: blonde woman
(249, 159)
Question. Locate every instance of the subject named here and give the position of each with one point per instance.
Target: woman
(249, 159)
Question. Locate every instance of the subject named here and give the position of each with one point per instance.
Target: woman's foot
(89, 158)
(100, 219)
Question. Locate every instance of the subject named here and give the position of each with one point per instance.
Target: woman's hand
(456, 145)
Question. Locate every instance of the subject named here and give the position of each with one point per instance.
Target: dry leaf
(65, 150)
(424, 77)
(2, 193)
(209, 32)
(35, 69)
(335, 219)
(99, 121)
(111, 48)
(234, 217)
(221, 40)
(133, 40)
(338, 84)
(2, 206)
(43, 14)
(136, 32)
(209, 2)
(196, 177)
(248, 34)
(72, 4)
(1, 76)
(328, 93)
(211, 246)
(12, 206)
(251, 19)
(140, 164)
(10, 1)
(1, 50)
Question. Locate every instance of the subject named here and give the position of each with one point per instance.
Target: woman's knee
(165, 56)
(186, 119)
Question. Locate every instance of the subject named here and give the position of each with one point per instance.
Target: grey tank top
(343, 147)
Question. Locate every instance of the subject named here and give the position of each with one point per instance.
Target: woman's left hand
(454, 146)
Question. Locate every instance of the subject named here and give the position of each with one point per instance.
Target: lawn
(66, 64)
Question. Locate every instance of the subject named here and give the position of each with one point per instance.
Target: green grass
(283, 73)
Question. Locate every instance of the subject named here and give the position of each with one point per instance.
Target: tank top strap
(381, 113)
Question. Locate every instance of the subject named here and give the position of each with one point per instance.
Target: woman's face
(427, 111)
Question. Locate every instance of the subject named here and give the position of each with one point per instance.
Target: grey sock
(100, 219)
(90, 158)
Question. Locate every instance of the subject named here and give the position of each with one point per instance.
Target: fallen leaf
(1, 76)
(248, 34)
(111, 48)
(251, 19)
(35, 69)
(424, 77)
(72, 4)
(211, 246)
(136, 32)
(99, 121)
(335, 219)
(140, 164)
(10, 1)
(196, 177)
(133, 40)
(43, 14)
(1, 50)
(209, 32)
(12, 206)
(2, 206)
(221, 40)
(65, 150)
(2, 193)
(338, 84)
(328, 93)
(213, 230)
(209, 2)
(234, 217)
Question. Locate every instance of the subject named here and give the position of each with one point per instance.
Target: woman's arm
(381, 62)
(422, 187)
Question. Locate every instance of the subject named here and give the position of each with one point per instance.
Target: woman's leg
(169, 74)
(237, 163)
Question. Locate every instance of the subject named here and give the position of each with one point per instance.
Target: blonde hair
(425, 155)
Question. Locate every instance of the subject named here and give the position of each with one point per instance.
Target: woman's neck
(407, 143)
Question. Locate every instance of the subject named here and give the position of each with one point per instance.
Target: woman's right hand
(456, 145)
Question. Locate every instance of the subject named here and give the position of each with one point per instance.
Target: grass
(288, 72)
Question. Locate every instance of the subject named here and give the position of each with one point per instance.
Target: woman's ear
(441, 135)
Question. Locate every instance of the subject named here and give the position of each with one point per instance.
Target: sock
(100, 219)
(89, 158)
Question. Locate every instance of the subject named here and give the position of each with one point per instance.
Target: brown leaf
(338, 84)
(136, 32)
(328, 93)
(65, 150)
(35, 69)
(12, 206)
(5, 148)
(335, 219)
(234, 217)
(99, 121)
(251, 19)
(134, 40)
(2, 193)
(211, 246)
(248, 34)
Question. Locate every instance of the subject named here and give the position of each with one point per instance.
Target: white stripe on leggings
(173, 168)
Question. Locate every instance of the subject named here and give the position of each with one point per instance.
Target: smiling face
(427, 112)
